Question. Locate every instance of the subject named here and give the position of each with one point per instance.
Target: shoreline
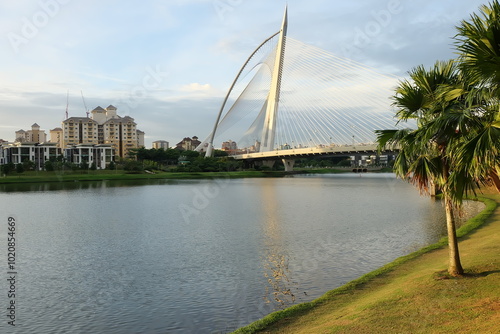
(282, 321)
(50, 177)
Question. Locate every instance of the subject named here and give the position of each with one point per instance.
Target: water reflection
(118, 258)
(435, 222)
(82, 185)
(276, 259)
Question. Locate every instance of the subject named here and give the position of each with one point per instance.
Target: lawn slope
(413, 294)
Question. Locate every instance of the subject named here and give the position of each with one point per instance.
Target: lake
(200, 256)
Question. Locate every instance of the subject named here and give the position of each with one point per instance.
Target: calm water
(199, 256)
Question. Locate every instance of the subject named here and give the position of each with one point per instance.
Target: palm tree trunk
(454, 265)
(496, 180)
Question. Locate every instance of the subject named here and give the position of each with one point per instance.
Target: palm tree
(456, 104)
(478, 43)
(425, 157)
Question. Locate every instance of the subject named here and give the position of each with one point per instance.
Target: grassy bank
(412, 294)
(34, 177)
(70, 176)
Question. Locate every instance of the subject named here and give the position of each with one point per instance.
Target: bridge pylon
(269, 129)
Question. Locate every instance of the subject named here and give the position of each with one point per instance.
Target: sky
(169, 63)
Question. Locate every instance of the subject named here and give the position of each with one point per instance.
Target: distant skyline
(168, 64)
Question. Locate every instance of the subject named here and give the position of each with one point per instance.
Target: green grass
(411, 294)
(99, 175)
(68, 176)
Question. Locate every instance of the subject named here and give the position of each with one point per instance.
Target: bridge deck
(309, 151)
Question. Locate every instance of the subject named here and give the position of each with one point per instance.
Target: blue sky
(169, 63)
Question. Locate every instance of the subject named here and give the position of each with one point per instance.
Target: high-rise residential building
(104, 126)
(79, 130)
(160, 144)
(35, 135)
(140, 138)
(229, 146)
(56, 136)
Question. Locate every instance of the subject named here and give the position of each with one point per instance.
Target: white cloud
(103, 48)
(196, 87)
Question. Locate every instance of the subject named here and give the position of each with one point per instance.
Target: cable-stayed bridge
(291, 99)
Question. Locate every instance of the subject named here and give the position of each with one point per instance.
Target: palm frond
(425, 170)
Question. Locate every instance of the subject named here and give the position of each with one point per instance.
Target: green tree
(478, 43)
(84, 165)
(19, 168)
(425, 157)
(220, 153)
(133, 166)
(49, 166)
(28, 164)
(345, 163)
(172, 156)
(8, 168)
(190, 155)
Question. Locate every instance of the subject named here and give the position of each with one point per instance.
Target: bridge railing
(305, 151)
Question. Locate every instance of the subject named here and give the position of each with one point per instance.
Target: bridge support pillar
(357, 161)
(288, 164)
(268, 163)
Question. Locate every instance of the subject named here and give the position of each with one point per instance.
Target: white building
(38, 153)
(3, 158)
(101, 154)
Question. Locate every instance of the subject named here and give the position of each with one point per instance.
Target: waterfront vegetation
(413, 294)
(168, 164)
(99, 175)
(456, 145)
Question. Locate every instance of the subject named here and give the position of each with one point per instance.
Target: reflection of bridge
(289, 94)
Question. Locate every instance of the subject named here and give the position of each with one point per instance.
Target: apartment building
(19, 152)
(100, 155)
(35, 135)
(188, 144)
(104, 126)
(160, 144)
(56, 136)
